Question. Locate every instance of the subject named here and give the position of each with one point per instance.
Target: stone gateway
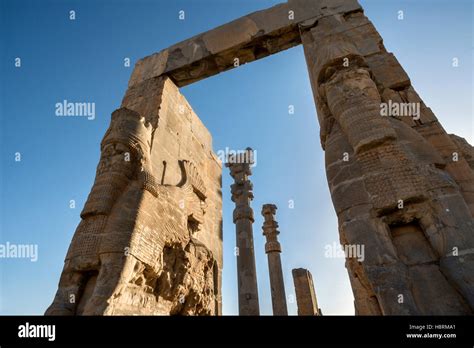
(150, 237)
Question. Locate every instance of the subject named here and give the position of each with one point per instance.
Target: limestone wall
(396, 187)
(150, 239)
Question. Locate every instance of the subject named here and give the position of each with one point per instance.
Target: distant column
(305, 295)
(243, 219)
(273, 250)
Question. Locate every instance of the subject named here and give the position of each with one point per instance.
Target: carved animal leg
(111, 275)
(67, 295)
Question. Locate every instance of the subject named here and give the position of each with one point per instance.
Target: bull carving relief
(135, 249)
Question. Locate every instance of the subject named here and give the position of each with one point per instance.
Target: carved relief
(159, 268)
(391, 177)
(194, 195)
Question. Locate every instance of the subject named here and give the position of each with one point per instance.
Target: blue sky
(82, 60)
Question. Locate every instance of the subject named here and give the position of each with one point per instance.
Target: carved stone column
(243, 218)
(305, 294)
(395, 191)
(149, 241)
(273, 250)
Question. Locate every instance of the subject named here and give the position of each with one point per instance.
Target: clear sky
(82, 61)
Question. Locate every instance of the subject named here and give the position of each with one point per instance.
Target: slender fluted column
(273, 250)
(305, 295)
(243, 218)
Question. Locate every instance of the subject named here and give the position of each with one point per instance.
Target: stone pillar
(150, 236)
(273, 250)
(305, 295)
(399, 195)
(243, 218)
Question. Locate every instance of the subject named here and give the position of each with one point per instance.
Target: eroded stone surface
(305, 294)
(273, 250)
(246, 39)
(396, 189)
(150, 238)
(243, 218)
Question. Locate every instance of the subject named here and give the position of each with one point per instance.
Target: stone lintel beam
(248, 38)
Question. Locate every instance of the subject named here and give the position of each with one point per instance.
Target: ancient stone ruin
(243, 218)
(305, 294)
(273, 250)
(150, 238)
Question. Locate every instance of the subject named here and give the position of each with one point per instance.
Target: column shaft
(243, 218)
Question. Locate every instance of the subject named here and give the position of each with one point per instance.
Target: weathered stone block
(147, 212)
(387, 71)
(305, 294)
